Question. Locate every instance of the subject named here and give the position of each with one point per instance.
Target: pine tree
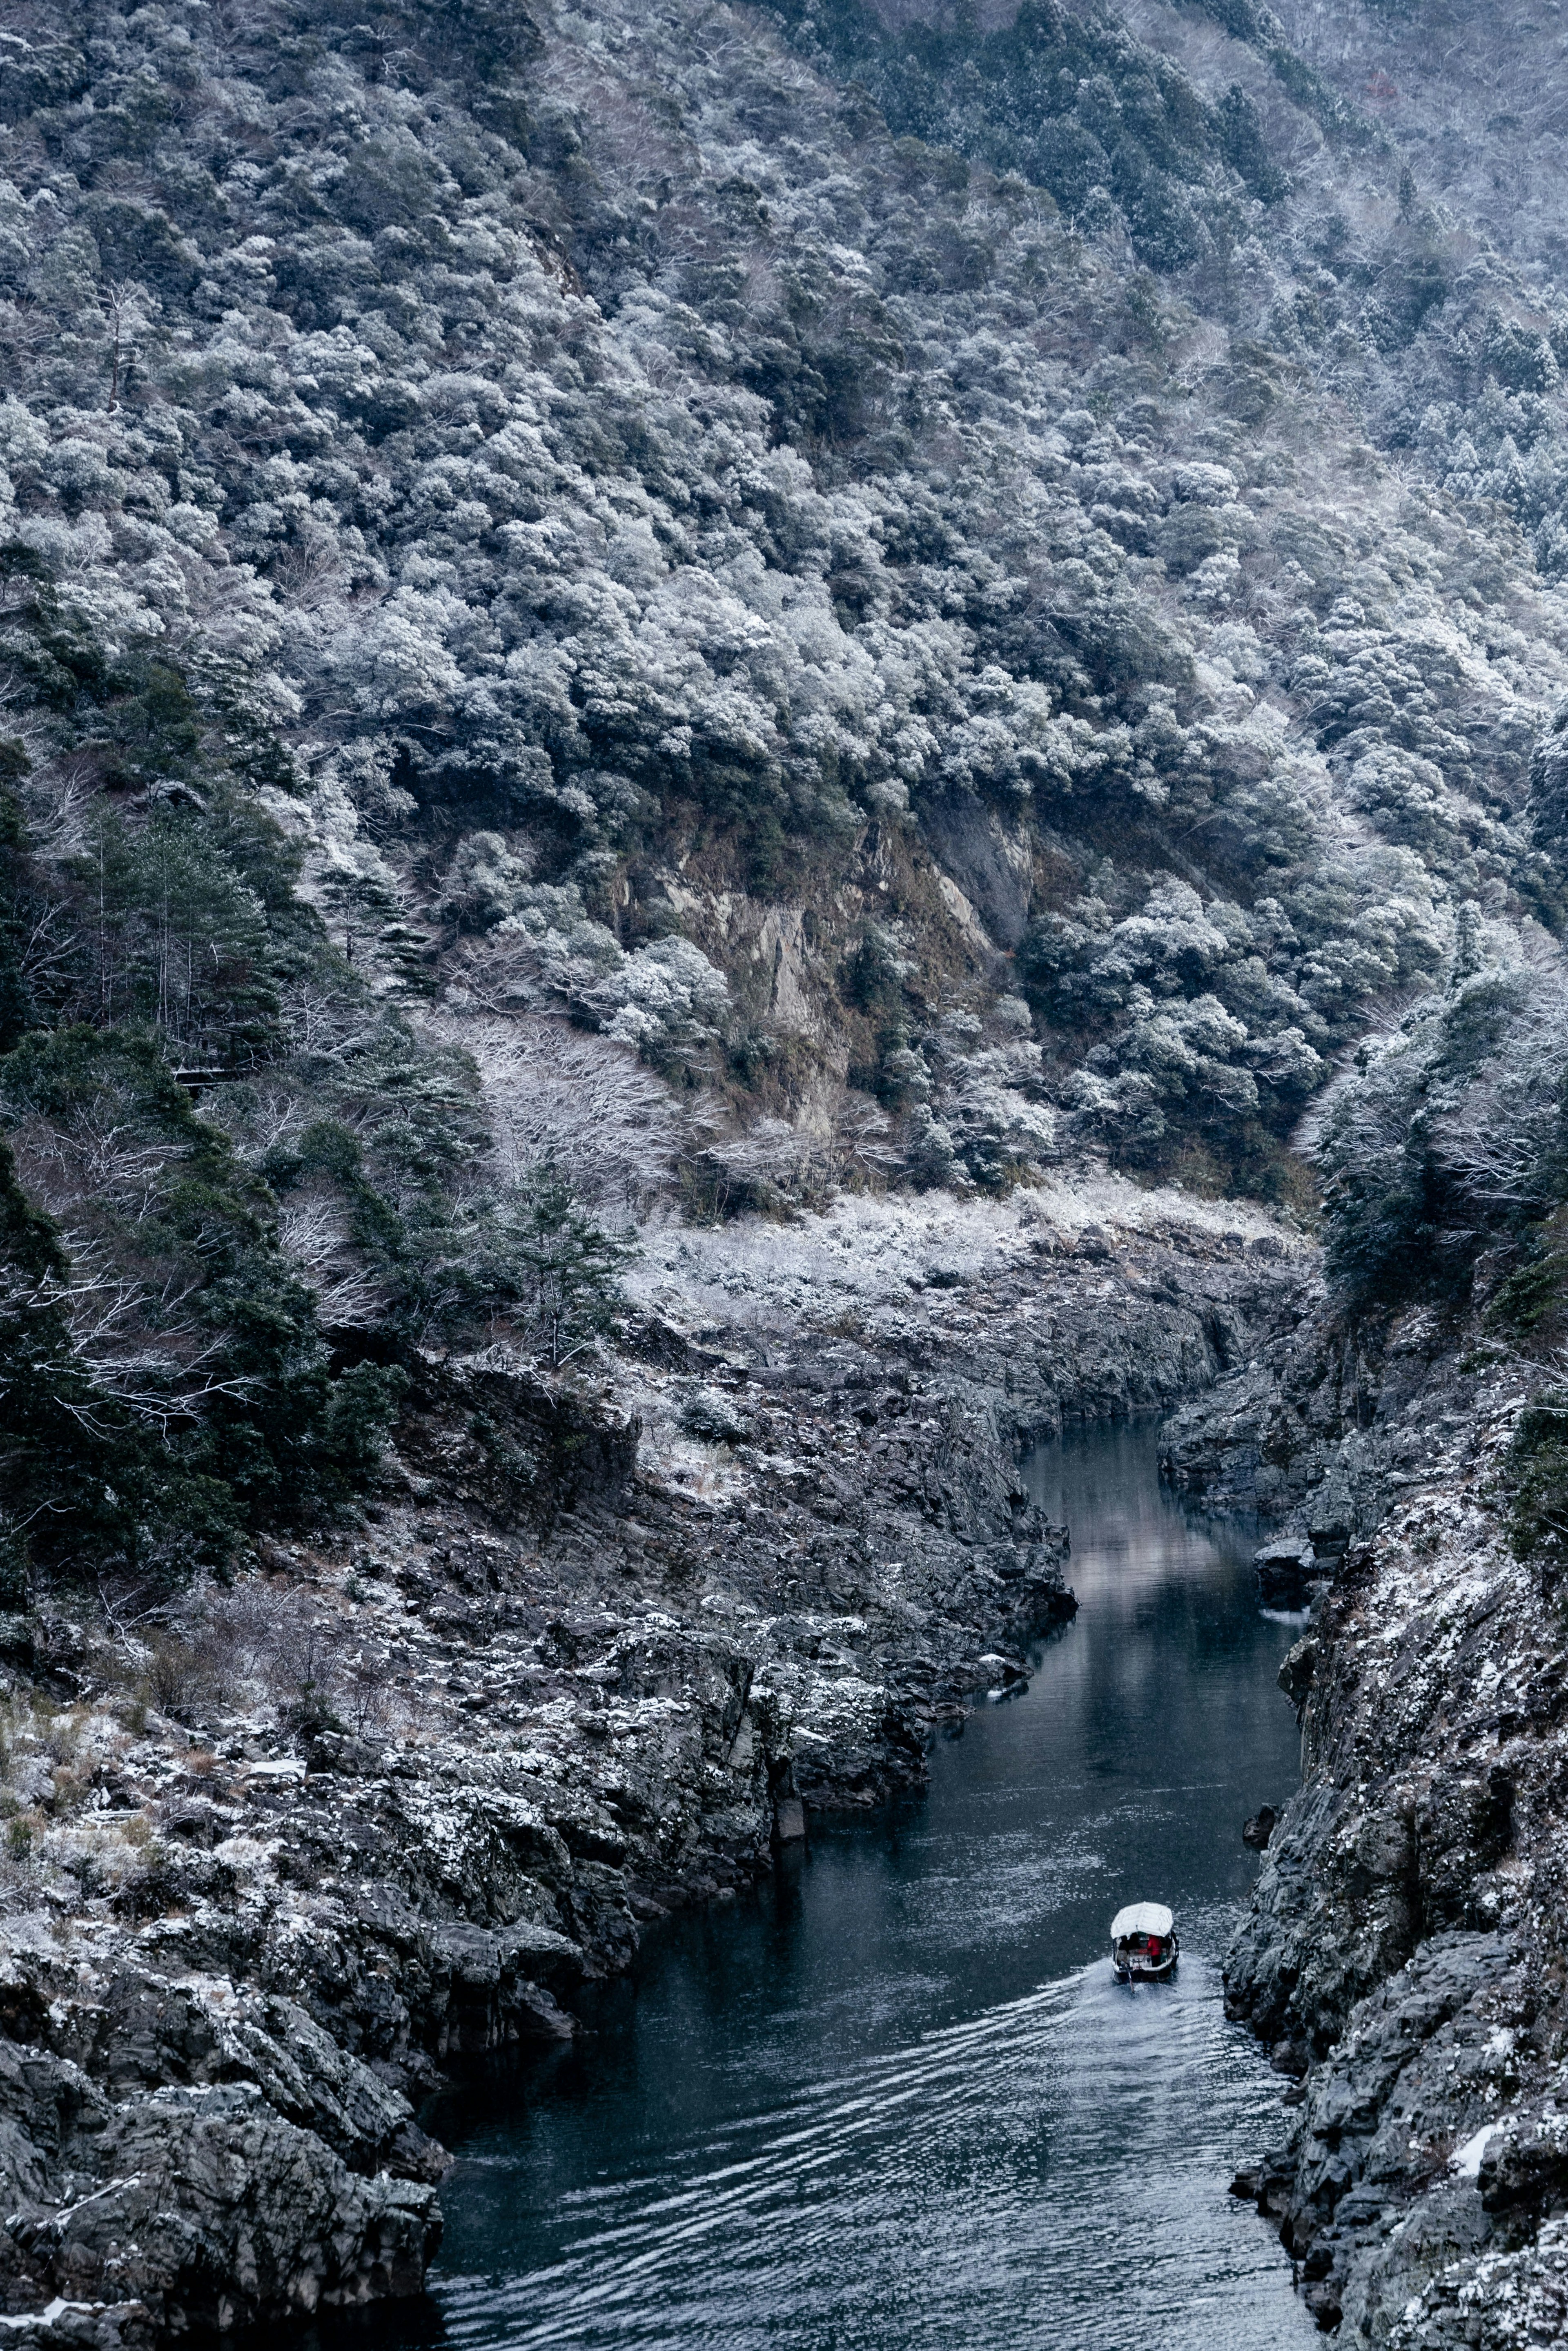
(571, 1264)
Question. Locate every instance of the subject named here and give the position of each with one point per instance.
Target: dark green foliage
(1549, 786)
(20, 908)
(569, 1264)
(31, 1244)
(1383, 1224)
(1244, 148)
(15, 1585)
(1383, 1192)
(1187, 538)
(1538, 1483)
(1532, 1295)
(1519, 357)
(175, 934)
(1450, 1134)
(168, 1386)
(1530, 1305)
(1067, 100)
(873, 976)
(328, 1149)
(436, 1266)
(1242, 19)
(180, 910)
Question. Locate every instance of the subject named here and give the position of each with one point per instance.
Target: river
(895, 2100)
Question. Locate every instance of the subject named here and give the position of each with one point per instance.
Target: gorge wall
(1404, 1953)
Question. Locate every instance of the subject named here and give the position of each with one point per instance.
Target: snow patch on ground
(866, 1248)
(1467, 2161)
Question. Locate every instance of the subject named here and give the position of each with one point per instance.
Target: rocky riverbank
(280, 1857)
(1405, 1952)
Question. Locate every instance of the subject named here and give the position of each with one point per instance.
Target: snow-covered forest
(716, 606)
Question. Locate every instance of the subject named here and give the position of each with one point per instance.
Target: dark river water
(895, 2102)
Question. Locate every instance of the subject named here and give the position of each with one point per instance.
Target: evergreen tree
(571, 1265)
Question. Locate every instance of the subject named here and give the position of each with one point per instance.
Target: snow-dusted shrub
(666, 998)
(485, 880)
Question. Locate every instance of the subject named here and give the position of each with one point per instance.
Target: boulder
(1296, 1670)
(1285, 1571)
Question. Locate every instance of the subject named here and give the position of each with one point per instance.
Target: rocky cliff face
(381, 1811)
(1405, 1952)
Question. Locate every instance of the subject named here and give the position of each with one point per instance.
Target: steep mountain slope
(1405, 1949)
(1403, 1952)
(1472, 95)
(913, 647)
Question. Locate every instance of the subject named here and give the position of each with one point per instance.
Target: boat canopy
(1142, 1918)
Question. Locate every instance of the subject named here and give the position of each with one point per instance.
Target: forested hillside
(705, 605)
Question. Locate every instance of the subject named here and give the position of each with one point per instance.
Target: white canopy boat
(1145, 1945)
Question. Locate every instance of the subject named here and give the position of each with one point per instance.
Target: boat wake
(813, 2221)
(643, 2240)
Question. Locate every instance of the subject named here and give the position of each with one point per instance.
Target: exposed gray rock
(1406, 1938)
(1285, 1571)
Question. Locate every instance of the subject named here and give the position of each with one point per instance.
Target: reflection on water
(897, 2099)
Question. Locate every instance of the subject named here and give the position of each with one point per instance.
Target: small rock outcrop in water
(1286, 1568)
(379, 1812)
(1257, 1831)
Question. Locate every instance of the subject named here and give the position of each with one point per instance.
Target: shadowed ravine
(898, 2099)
